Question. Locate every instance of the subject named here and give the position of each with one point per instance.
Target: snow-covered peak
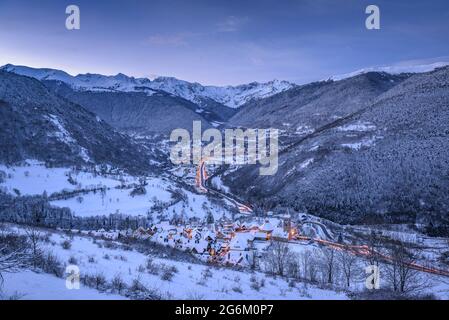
(395, 69)
(40, 74)
(85, 82)
(231, 96)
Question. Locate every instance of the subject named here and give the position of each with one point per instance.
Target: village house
(264, 232)
(279, 234)
(239, 250)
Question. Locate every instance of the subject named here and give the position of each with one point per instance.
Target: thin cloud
(232, 24)
(174, 40)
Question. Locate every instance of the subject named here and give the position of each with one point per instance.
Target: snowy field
(188, 281)
(121, 201)
(117, 201)
(35, 179)
(29, 285)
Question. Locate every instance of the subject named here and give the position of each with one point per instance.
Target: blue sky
(223, 42)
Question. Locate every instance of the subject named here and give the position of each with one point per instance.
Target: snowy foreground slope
(29, 285)
(183, 278)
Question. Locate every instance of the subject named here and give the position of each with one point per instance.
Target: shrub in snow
(167, 275)
(256, 284)
(72, 260)
(99, 281)
(118, 285)
(121, 258)
(137, 286)
(152, 267)
(49, 263)
(195, 296)
(110, 245)
(139, 291)
(138, 191)
(237, 289)
(88, 280)
(168, 272)
(46, 237)
(201, 282)
(141, 269)
(66, 244)
(91, 259)
(106, 257)
(206, 273)
(172, 269)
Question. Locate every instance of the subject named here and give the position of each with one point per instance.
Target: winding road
(200, 181)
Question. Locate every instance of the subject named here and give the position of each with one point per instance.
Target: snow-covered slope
(395, 69)
(111, 260)
(231, 96)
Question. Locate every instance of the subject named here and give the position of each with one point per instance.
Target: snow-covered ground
(190, 280)
(117, 200)
(29, 285)
(217, 183)
(35, 179)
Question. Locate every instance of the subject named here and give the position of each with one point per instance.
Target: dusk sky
(223, 42)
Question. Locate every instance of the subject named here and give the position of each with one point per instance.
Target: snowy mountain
(36, 124)
(395, 69)
(371, 148)
(230, 96)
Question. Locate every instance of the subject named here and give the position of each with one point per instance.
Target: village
(223, 242)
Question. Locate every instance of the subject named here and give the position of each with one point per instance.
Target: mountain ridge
(37, 124)
(230, 96)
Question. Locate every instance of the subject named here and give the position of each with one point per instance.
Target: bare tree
(293, 265)
(253, 260)
(328, 259)
(374, 245)
(402, 272)
(278, 257)
(309, 266)
(34, 237)
(12, 258)
(347, 264)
